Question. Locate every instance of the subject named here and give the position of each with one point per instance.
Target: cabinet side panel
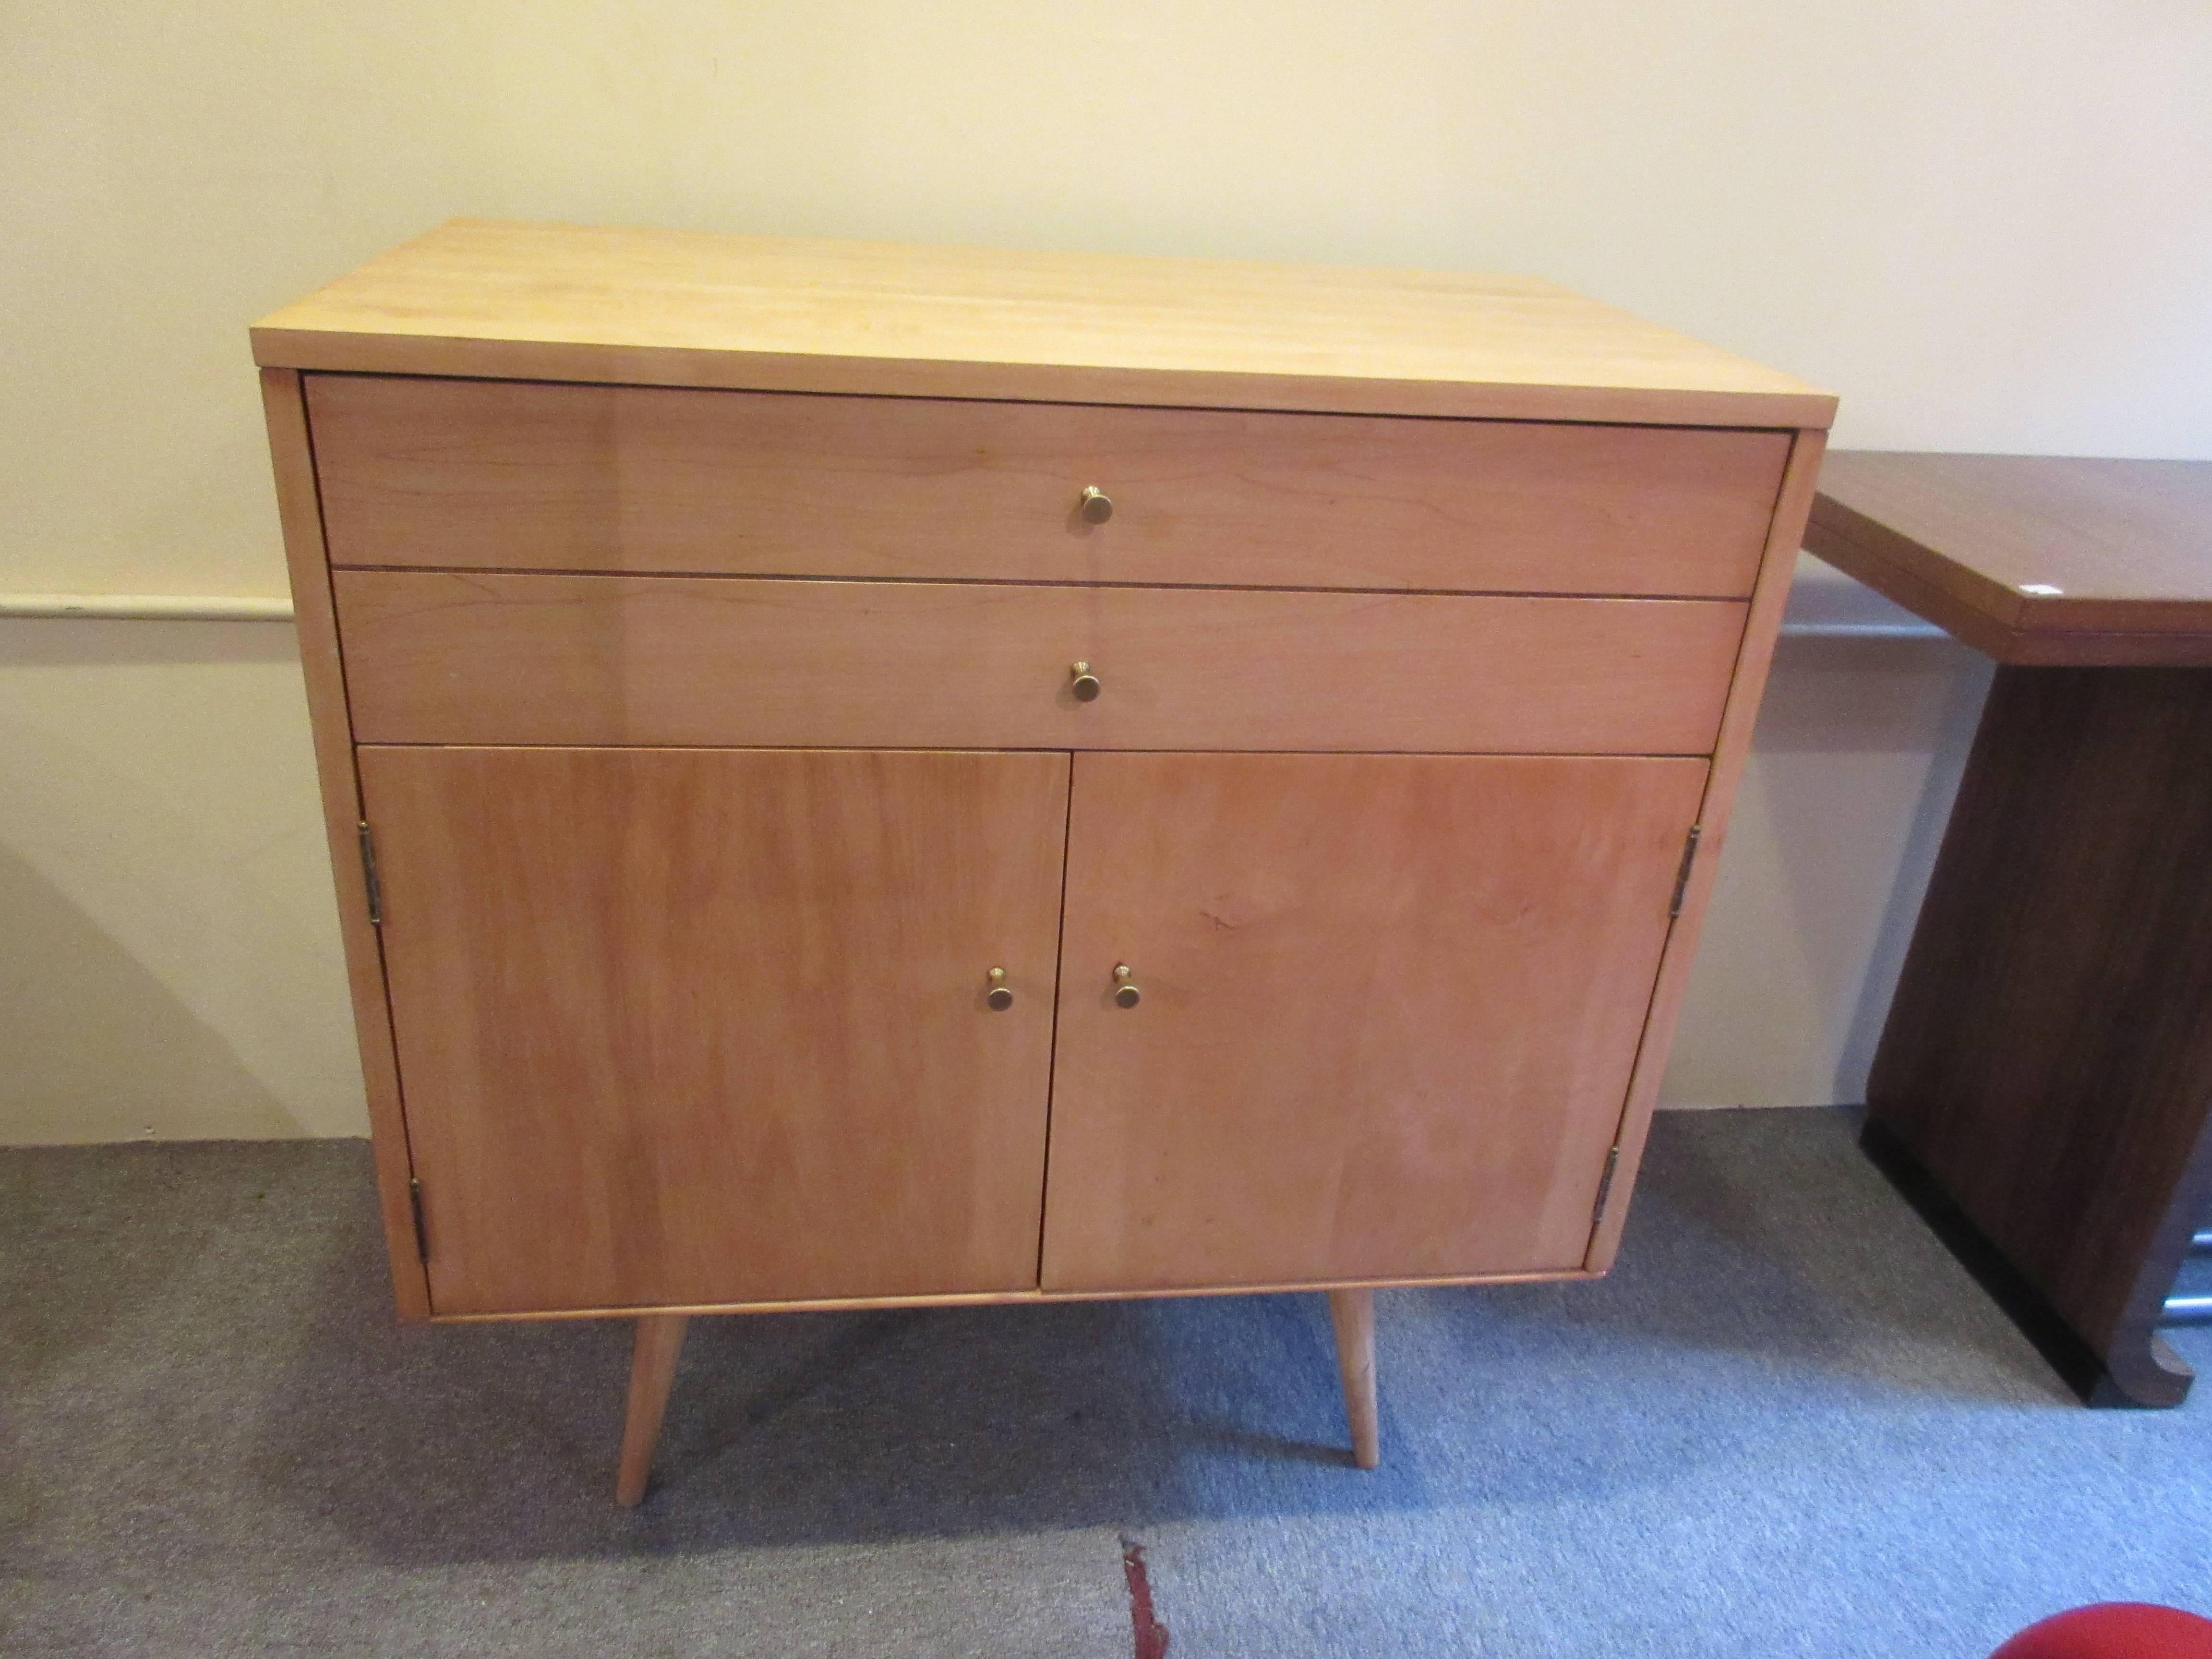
(292, 455)
(1738, 717)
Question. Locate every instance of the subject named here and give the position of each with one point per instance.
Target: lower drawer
(452, 657)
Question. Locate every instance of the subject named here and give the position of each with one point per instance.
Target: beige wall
(1852, 770)
(1971, 219)
(168, 959)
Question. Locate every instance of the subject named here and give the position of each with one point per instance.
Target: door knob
(1085, 684)
(1126, 995)
(1000, 997)
(1097, 506)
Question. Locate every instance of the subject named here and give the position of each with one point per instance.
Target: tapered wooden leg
(1353, 1313)
(651, 1370)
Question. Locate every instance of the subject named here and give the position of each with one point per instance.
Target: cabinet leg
(652, 1368)
(1353, 1313)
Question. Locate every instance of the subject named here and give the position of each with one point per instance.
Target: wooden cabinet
(873, 776)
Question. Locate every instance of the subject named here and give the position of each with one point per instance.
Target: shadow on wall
(86, 1025)
(169, 956)
(1959, 715)
(1856, 697)
(1857, 755)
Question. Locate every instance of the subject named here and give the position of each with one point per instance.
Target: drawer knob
(998, 996)
(1085, 684)
(1097, 505)
(1126, 995)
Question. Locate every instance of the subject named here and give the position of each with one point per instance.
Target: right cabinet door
(1386, 1011)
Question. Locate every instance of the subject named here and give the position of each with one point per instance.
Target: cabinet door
(710, 1026)
(1388, 1009)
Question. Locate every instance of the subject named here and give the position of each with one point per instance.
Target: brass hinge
(368, 876)
(1597, 1210)
(1682, 875)
(421, 1233)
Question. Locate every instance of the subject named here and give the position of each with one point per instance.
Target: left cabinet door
(698, 1026)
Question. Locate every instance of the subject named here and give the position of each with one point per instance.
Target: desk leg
(2044, 1085)
(653, 1353)
(1352, 1314)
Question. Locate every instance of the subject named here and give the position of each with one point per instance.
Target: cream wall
(168, 963)
(1982, 223)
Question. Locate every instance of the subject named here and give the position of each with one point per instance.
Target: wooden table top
(2034, 560)
(666, 307)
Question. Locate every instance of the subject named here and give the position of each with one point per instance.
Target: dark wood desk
(2042, 1089)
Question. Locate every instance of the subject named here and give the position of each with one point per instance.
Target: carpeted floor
(1787, 1425)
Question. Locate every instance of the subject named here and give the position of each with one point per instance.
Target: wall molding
(146, 607)
(1824, 603)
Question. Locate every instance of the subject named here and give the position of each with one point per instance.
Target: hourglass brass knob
(1085, 684)
(1097, 505)
(1126, 995)
(998, 996)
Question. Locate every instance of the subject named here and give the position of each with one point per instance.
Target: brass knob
(1085, 684)
(1126, 995)
(1097, 505)
(999, 996)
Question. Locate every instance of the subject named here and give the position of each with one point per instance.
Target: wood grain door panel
(1389, 1008)
(529, 476)
(446, 657)
(693, 1027)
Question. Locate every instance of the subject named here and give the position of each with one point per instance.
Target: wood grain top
(565, 302)
(2034, 560)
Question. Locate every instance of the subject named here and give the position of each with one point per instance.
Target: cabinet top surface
(2030, 558)
(565, 302)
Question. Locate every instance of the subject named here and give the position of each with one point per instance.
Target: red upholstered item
(2114, 1630)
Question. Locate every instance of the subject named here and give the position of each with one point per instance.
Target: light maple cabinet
(863, 775)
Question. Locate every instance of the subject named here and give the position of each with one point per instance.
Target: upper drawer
(523, 475)
(441, 657)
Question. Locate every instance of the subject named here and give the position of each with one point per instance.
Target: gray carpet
(1787, 1425)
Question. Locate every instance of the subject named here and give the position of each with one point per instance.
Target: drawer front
(493, 475)
(449, 658)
